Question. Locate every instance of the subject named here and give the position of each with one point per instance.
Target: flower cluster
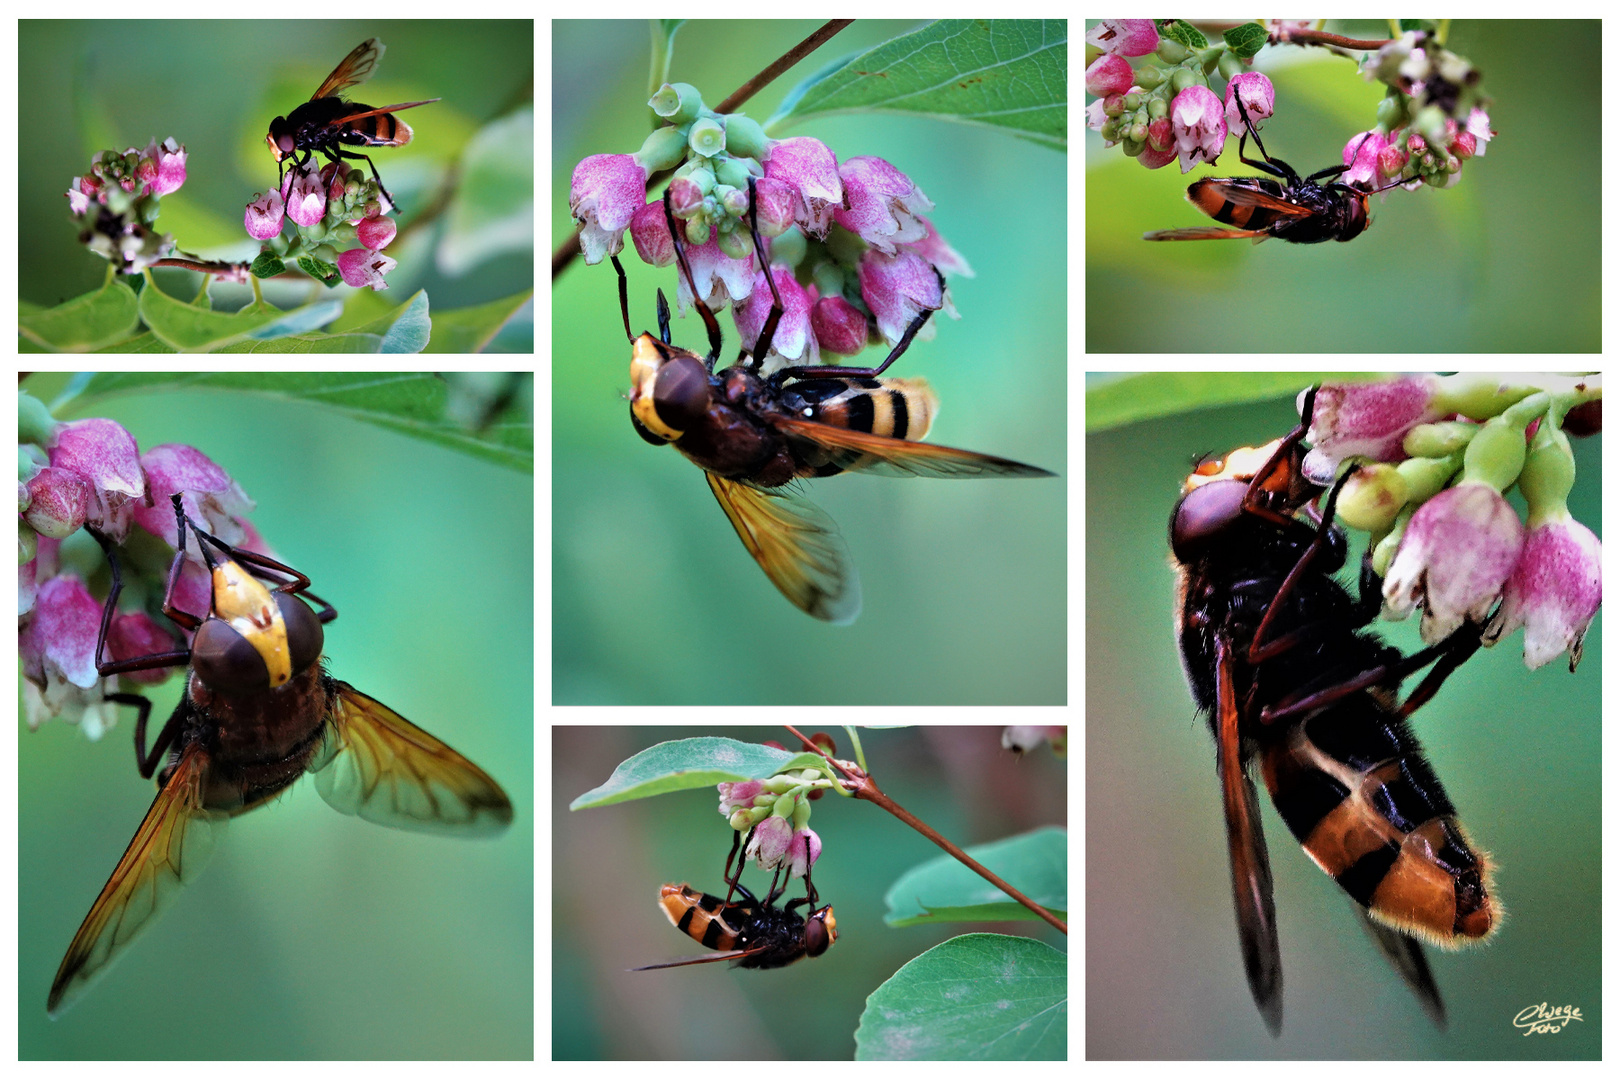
(849, 250)
(90, 474)
(117, 203)
(1433, 456)
(1430, 122)
(329, 207)
(775, 814)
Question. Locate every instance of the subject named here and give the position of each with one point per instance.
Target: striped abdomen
(699, 915)
(1358, 795)
(893, 408)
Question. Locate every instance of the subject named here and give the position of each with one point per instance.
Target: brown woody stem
(864, 787)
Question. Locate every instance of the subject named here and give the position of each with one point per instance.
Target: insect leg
(835, 371)
(686, 269)
(1276, 167)
(767, 334)
(147, 763)
(153, 660)
(1260, 649)
(1447, 656)
(362, 157)
(1246, 846)
(732, 882)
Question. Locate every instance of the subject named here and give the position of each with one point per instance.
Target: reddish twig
(864, 787)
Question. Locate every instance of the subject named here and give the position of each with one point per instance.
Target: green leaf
(691, 763)
(1246, 40)
(92, 321)
(411, 403)
(943, 890)
(1185, 32)
(1118, 402)
(1003, 73)
(190, 327)
(978, 997)
(471, 329)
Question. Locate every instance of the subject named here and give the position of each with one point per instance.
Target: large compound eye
(681, 392)
(1203, 514)
(226, 661)
(820, 931)
(305, 635)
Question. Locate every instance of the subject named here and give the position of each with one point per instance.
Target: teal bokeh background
(1518, 751)
(964, 581)
(608, 863)
(312, 934)
(1509, 260)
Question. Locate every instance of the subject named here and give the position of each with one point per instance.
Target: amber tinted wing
(1246, 844)
(169, 850)
(1406, 955)
(1244, 195)
(711, 958)
(356, 68)
(1207, 232)
(375, 764)
(852, 450)
(796, 544)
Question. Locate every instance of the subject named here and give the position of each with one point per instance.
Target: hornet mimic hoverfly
(749, 933)
(1276, 654)
(326, 122)
(753, 435)
(1298, 210)
(259, 710)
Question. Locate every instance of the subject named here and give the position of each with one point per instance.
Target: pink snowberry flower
(604, 194)
(1454, 558)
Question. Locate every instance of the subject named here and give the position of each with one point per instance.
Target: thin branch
(864, 787)
(781, 64)
(1322, 37)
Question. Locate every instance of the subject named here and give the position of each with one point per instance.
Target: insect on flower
(326, 122)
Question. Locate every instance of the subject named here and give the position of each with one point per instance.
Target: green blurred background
(1518, 751)
(608, 863)
(1506, 261)
(964, 582)
(215, 86)
(312, 934)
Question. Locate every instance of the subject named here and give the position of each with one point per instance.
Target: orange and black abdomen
(1363, 802)
(384, 129)
(894, 408)
(1210, 196)
(700, 916)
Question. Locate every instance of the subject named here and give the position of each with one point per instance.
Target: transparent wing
(355, 69)
(377, 765)
(796, 544)
(861, 450)
(169, 850)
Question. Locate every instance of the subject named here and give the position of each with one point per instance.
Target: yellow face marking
(646, 357)
(1241, 464)
(242, 600)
